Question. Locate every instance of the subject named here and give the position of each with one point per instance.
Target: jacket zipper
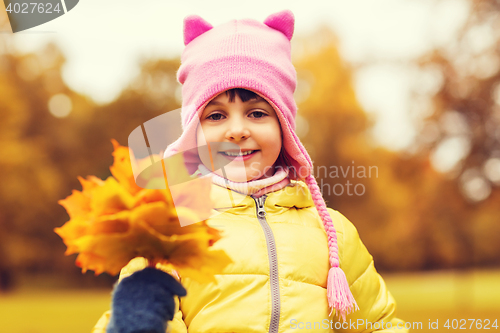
(273, 264)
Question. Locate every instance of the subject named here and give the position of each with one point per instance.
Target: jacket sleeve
(377, 307)
(177, 324)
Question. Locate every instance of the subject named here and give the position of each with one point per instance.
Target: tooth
(242, 154)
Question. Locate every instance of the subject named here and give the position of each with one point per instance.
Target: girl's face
(250, 126)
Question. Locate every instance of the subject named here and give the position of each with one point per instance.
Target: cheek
(278, 137)
(274, 141)
(278, 146)
(201, 144)
(200, 137)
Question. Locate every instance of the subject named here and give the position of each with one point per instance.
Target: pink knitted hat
(255, 56)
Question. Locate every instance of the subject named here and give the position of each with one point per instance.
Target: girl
(296, 264)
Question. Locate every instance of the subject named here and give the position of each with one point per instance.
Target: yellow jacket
(277, 281)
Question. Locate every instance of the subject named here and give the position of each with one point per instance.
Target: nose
(237, 130)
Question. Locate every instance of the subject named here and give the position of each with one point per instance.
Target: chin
(235, 175)
(241, 176)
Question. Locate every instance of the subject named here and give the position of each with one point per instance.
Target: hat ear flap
(282, 21)
(194, 26)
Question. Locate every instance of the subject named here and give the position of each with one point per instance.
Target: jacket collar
(296, 194)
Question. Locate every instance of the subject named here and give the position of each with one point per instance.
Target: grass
(52, 311)
(442, 296)
(421, 298)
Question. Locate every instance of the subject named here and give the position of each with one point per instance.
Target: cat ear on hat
(282, 21)
(194, 26)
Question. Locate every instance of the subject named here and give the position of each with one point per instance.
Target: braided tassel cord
(340, 298)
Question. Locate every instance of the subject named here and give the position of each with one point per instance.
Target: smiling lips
(236, 154)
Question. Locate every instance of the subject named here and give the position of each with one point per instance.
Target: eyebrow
(251, 101)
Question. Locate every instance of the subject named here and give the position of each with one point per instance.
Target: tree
(49, 135)
(409, 215)
(460, 127)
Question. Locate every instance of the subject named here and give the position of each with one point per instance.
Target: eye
(258, 114)
(215, 116)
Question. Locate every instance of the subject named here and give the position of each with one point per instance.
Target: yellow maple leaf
(113, 221)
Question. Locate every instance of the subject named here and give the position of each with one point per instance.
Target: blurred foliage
(41, 154)
(410, 216)
(456, 102)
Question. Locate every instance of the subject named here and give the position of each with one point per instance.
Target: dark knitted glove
(143, 302)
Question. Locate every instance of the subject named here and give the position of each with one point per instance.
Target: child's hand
(144, 302)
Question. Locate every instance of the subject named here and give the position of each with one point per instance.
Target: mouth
(235, 154)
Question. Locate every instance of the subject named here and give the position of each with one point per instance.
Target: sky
(104, 42)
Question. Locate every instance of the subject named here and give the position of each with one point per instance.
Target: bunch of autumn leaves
(114, 221)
